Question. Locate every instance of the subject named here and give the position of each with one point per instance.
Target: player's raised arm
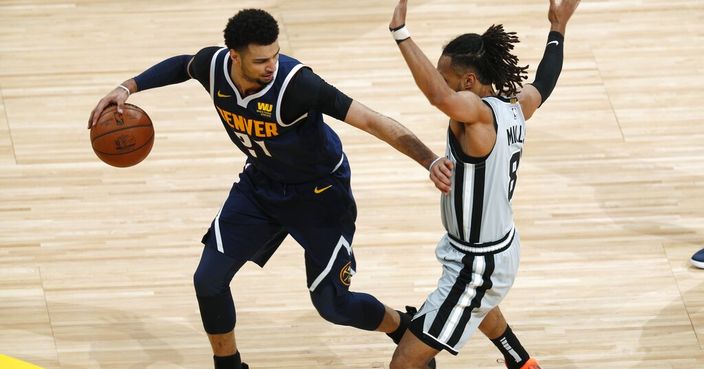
(460, 106)
(536, 93)
(170, 71)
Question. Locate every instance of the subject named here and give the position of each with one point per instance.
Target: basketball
(122, 140)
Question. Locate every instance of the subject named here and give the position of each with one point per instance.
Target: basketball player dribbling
(296, 180)
(476, 83)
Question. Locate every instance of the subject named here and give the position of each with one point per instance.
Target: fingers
(98, 111)
(441, 175)
(117, 96)
(446, 167)
(569, 6)
(90, 118)
(95, 114)
(439, 183)
(399, 16)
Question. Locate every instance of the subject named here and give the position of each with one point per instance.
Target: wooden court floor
(96, 262)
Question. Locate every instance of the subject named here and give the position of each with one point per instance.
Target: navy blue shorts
(260, 212)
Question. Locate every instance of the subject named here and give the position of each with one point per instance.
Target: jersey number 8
(513, 173)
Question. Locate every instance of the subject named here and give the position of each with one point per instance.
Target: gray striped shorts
(470, 286)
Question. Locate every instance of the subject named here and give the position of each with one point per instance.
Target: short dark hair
(489, 55)
(250, 26)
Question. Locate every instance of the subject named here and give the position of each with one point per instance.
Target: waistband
(484, 248)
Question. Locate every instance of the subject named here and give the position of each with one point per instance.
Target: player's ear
(468, 81)
(235, 56)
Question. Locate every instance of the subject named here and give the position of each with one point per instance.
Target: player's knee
(331, 306)
(207, 284)
(217, 309)
(214, 273)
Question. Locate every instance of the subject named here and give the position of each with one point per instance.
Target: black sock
(514, 353)
(229, 362)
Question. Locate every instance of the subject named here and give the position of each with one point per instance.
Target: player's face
(258, 62)
(454, 81)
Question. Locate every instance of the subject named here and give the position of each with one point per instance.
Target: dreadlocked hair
(489, 55)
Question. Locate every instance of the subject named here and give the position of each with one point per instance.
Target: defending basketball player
(296, 179)
(477, 84)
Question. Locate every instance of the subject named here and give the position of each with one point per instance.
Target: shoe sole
(698, 264)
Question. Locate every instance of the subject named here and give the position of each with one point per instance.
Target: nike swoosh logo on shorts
(317, 190)
(557, 43)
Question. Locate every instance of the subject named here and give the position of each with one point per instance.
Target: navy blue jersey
(287, 149)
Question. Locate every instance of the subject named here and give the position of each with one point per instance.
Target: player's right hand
(399, 17)
(116, 96)
(441, 175)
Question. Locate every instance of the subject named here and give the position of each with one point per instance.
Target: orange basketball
(122, 140)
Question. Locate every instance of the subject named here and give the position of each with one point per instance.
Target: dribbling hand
(117, 96)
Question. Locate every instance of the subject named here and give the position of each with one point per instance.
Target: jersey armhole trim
(213, 62)
(284, 85)
(188, 66)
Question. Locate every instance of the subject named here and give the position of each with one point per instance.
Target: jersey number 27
(247, 142)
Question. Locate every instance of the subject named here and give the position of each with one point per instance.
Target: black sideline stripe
(443, 314)
(476, 301)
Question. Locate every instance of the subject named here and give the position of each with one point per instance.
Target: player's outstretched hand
(559, 14)
(441, 174)
(117, 96)
(399, 17)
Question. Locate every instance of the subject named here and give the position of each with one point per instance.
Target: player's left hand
(399, 17)
(441, 175)
(559, 14)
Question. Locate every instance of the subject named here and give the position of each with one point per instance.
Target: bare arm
(461, 107)
(402, 139)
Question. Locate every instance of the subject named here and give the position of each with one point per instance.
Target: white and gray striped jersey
(477, 213)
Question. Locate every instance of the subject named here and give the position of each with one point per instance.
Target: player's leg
(495, 327)
(239, 233)
(324, 224)
(337, 304)
(212, 283)
(412, 353)
(330, 265)
(470, 286)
